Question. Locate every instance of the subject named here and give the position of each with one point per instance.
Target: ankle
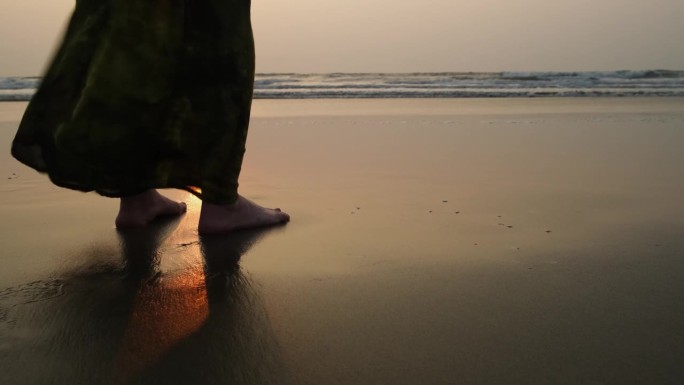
(213, 208)
(142, 199)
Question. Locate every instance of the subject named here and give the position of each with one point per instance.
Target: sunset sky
(413, 36)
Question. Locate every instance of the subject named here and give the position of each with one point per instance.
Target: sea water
(437, 85)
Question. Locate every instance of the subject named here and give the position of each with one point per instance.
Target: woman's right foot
(243, 214)
(139, 210)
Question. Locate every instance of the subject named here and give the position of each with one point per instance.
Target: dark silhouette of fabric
(145, 94)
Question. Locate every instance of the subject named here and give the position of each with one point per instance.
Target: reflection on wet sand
(130, 322)
(165, 309)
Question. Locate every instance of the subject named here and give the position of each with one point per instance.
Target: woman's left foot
(243, 214)
(141, 209)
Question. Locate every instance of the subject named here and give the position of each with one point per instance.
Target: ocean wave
(438, 85)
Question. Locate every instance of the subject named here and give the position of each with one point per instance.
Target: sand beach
(432, 241)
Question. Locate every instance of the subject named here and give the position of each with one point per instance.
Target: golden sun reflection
(195, 189)
(163, 313)
(194, 203)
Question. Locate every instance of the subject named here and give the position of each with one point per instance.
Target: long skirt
(145, 94)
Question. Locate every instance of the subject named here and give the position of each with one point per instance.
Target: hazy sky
(411, 36)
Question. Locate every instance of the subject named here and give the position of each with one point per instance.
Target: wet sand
(497, 241)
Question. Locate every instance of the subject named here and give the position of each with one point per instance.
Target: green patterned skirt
(145, 94)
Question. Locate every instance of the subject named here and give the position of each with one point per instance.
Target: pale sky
(412, 35)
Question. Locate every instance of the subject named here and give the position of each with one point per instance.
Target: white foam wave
(439, 85)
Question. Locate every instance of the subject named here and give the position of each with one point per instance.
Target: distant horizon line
(427, 72)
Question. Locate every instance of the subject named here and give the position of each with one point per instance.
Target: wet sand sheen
(433, 241)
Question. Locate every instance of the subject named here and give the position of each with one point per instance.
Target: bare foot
(242, 214)
(141, 209)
